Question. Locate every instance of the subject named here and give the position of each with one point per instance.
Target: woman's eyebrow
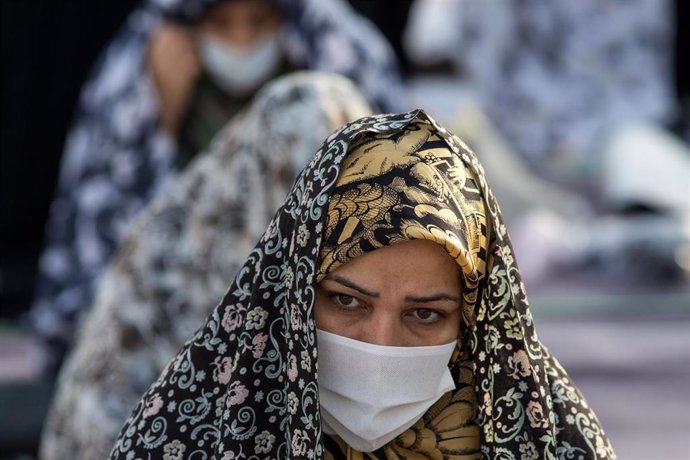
(432, 298)
(347, 283)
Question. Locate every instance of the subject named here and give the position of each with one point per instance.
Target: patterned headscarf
(401, 187)
(117, 156)
(245, 384)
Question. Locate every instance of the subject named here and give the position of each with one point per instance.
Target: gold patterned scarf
(397, 188)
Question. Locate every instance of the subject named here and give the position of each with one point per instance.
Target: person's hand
(175, 66)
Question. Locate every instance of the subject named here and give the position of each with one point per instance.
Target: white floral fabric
(556, 76)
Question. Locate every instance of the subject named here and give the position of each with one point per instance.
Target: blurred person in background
(174, 75)
(585, 91)
(181, 253)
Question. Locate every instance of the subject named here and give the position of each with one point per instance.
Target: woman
(162, 89)
(353, 241)
(183, 249)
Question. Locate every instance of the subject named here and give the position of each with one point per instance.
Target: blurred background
(580, 113)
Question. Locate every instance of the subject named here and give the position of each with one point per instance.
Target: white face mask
(235, 71)
(369, 394)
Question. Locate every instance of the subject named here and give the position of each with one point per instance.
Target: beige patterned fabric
(183, 252)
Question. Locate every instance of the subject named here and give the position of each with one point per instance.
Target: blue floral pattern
(117, 157)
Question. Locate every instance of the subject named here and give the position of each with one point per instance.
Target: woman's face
(241, 23)
(407, 294)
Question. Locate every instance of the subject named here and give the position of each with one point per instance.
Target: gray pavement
(635, 372)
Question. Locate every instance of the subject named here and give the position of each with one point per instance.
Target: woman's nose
(243, 36)
(381, 330)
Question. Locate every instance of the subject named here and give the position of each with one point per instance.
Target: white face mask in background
(239, 72)
(369, 394)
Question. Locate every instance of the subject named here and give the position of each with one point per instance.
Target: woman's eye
(345, 301)
(426, 315)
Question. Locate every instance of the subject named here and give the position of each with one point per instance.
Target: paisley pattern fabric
(117, 157)
(182, 252)
(245, 385)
